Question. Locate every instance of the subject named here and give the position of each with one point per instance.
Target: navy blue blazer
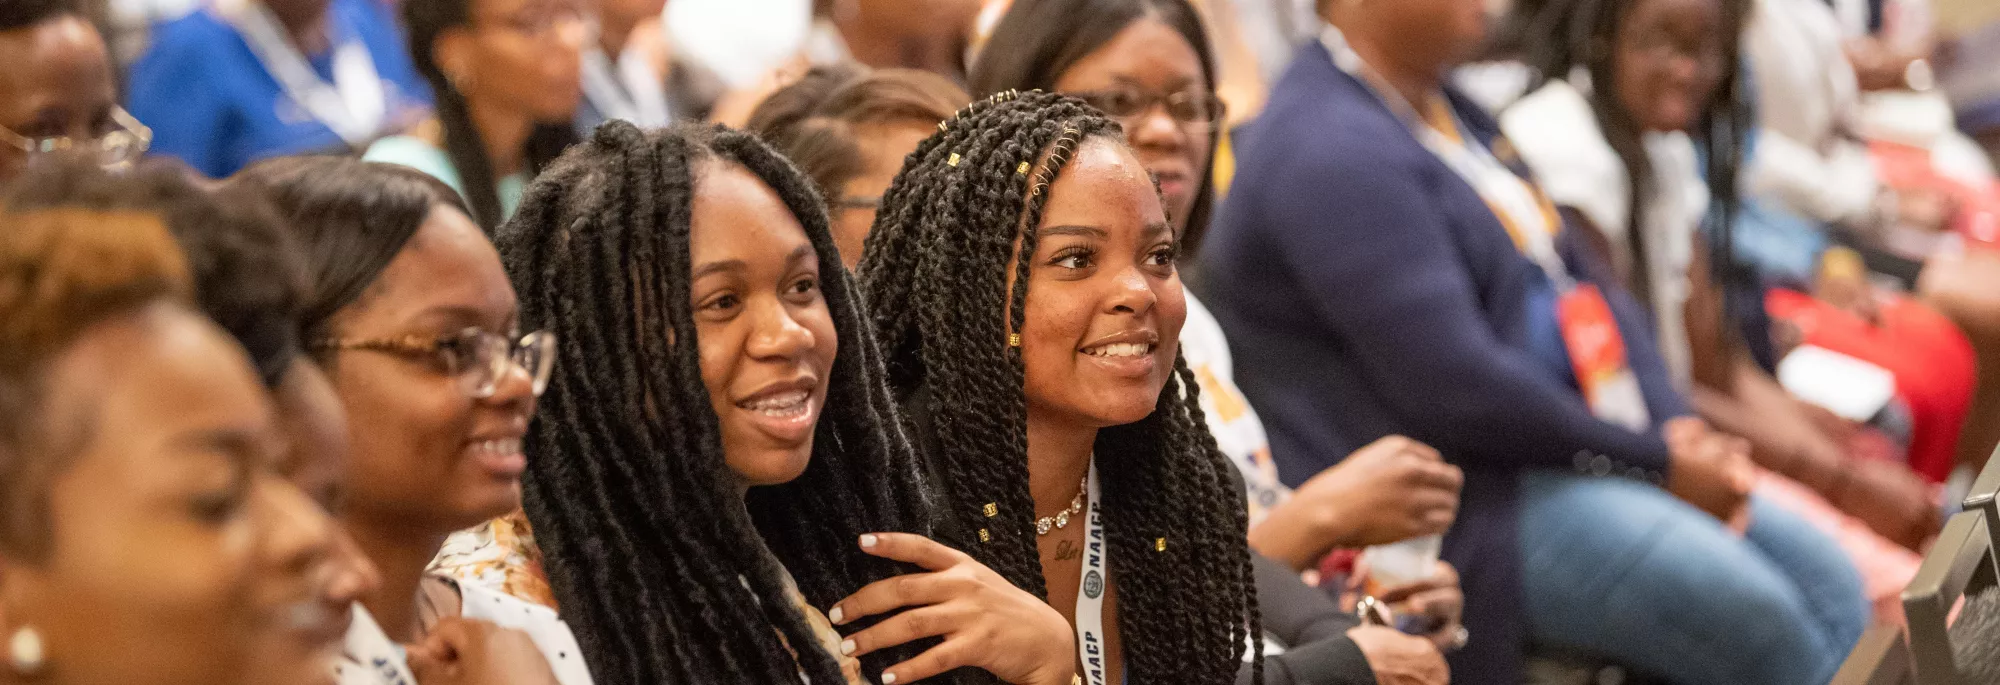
(1367, 290)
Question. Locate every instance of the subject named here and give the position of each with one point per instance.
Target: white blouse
(1557, 134)
(371, 658)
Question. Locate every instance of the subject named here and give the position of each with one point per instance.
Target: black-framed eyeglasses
(1193, 108)
(117, 147)
(476, 358)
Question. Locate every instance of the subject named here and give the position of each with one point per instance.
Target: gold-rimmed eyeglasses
(120, 146)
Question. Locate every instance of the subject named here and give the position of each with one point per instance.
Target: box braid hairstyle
(426, 20)
(659, 564)
(935, 274)
(1555, 37)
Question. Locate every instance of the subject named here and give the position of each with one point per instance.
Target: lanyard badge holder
(354, 106)
(1589, 331)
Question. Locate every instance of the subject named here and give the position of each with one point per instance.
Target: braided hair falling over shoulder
(934, 274)
(665, 573)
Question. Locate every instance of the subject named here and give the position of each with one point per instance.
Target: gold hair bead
(953, 161)
(1022, 169)
(1013, 340)
(1160, 545)
(992, 510)
(941, 124)
(985, 536)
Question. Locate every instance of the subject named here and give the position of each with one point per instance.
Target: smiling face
(766, 336)
(151, 568)
(1670, 58)
(1105, 306)
(59, 83)
(425, 454)
(1151, 59)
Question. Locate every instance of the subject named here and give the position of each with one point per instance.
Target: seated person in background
(631, 73)
(1604, 121)
(507, 75)
(1381, 271)
(58, 91)
(849, 128)
(242, 80)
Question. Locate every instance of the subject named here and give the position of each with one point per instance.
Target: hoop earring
(25, 651)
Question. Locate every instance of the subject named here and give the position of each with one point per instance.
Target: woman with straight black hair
(1038, 41)
(507, 78)
(415, 323)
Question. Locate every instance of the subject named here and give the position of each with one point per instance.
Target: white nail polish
(869, 540)
(888, 679)
(846, 647)
(834, 616)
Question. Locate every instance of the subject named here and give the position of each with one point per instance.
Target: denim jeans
(1624, 570)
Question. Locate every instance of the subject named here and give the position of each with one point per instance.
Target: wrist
(1296, 535)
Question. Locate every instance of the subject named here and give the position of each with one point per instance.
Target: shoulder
(1557, 134)
(550, 634)
(417, 153)
(198, 39)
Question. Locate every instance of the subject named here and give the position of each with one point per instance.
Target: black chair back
(1960, 564)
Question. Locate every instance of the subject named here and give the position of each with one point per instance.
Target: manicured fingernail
(835, 616)
(888, 679)
(869, 540)
(846, 647)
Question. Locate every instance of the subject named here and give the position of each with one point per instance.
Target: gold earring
(1013, 340)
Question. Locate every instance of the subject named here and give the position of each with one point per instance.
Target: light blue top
(419, 154)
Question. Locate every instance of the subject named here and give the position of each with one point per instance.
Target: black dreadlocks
(934, 273)
(426, 20)
(1555, 37)
(659, 566)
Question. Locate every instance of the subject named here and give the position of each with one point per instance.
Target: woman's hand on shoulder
(463, 651)
(984, 620)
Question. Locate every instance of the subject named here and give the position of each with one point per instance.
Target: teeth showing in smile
(500, 448)
(1115, 350)
(782, 405)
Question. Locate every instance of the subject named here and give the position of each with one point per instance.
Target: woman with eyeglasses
(59, 92)
(241, 80)
(414, 322)
(848, 128)
(508, 77)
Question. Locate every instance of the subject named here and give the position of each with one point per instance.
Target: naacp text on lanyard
(353, 106)
(629, 90)
(1590, 332)
(1090, 645)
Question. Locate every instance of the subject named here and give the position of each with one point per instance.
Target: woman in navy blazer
(1368, 290)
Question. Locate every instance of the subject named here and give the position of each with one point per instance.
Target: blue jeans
(1624, 570)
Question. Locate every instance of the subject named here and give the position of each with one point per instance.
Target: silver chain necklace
(1048, 523)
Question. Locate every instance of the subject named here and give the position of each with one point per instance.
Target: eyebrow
(459, 316)
(800, 254)
(1084, 231)
(239, 444)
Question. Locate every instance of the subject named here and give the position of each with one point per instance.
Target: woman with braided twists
(1021, 274)
(718, 437)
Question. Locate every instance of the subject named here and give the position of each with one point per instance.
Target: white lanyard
(634, 92)
(1510, 197)
(1090, 646)
(353, 106)
(369, 657)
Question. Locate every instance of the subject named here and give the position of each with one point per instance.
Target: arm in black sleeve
(1313, 629)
